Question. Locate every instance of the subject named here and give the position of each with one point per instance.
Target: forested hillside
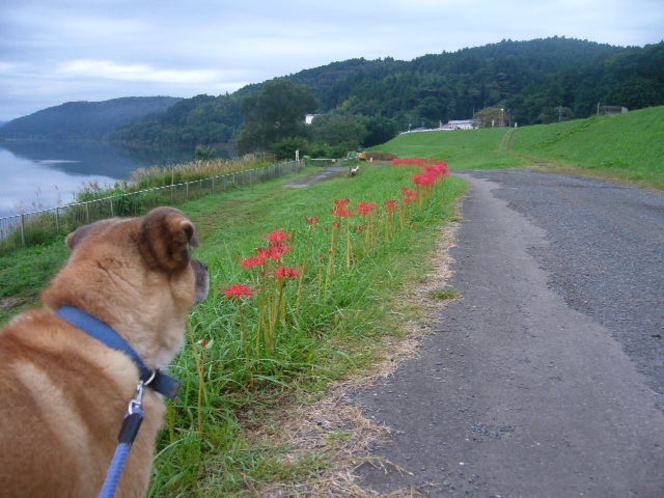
(85, 120)
(360, 102)
(537, 81)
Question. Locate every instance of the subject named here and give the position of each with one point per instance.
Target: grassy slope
(626, 147)
(208, 449)
(211, 447)
(331, 335)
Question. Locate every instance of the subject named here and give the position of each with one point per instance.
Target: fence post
(23, 230)
(57, 220)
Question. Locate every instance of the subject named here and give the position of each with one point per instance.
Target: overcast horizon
(51, 54)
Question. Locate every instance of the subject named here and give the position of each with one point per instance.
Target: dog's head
(138, 276)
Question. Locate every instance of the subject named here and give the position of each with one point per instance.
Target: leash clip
(136, 404)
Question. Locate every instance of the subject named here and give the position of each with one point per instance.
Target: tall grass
(330, 318)
(266, 333)
(161, 176)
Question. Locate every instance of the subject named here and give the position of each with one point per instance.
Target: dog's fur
(63, 394)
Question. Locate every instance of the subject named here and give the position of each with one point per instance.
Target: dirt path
(318, 176)
(544, 379)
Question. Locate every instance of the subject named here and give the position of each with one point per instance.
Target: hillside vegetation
(364, 103)
(85, 120)
(534, 82)
(627, 146)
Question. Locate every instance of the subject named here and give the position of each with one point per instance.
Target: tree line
(359, 102)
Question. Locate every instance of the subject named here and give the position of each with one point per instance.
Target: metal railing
(42, 226)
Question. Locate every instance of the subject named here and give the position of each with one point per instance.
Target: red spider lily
(238, 290)
(311, 220)
(342, 212)
(365, 208)
(278, 236)
(439, 169)
(339, 208)
(425, 178)
(391, 205)
(254, 261)
(409, 160)
(285, 272)
(408, 192)
(275, 251)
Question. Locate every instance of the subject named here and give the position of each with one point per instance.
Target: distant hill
(85, 120)
(536, 82)
(528, 82)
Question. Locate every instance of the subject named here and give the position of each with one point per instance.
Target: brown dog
(63, 393)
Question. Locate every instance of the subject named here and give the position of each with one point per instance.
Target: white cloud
(54, 52)
(103, 69)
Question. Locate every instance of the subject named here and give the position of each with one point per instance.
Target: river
(43, 174)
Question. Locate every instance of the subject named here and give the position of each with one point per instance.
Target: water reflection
(42, 174)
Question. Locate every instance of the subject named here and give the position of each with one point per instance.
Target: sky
(57, 51)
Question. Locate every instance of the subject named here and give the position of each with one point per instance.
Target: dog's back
(61, 413)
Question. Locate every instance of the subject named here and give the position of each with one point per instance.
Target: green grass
(468, 149)
(331, 331)
(444, 294)
(24, 272)
(626, 147)
(224, 434)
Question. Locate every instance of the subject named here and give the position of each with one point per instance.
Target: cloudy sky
(56, 51)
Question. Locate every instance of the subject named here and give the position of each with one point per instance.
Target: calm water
(40, 175)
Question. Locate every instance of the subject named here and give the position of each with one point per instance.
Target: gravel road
(546, 379)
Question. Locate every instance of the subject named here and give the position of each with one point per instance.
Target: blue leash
(115, 471)
(130, 426)
(154, 379)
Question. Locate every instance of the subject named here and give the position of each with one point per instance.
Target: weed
(444, 295)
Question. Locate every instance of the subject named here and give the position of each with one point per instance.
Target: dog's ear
(166, 237)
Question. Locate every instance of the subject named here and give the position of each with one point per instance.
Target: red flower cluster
(275, 250)
(285, 272)
(364, 208)
(431, 174)
(412, 160)
(391, 205)
(238, 290)
(277, 237)
(408, 194)
(340, 208)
